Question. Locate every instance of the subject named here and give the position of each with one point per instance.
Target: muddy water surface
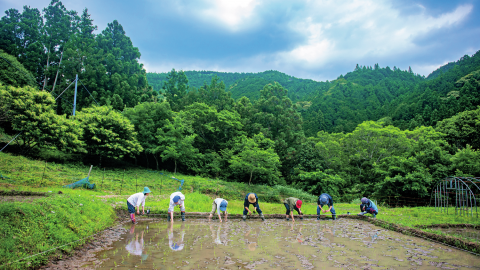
(276, 244)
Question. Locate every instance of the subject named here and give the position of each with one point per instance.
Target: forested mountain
(246, 84)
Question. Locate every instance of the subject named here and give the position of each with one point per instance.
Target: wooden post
(121, 186)
(89, 171)
(161, 184)
(41, 182)
(103, 176)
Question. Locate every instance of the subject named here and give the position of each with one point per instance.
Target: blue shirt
(247, 203)
(329, 201)
(370, 204)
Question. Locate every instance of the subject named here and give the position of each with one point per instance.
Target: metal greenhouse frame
(462, 192)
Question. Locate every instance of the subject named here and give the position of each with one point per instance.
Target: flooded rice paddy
(276, 244)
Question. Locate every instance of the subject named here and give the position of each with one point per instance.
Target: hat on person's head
(251, 198)
(176, 199)
(299, 204)
(146, 190)
(223, 205)
(175, 246)
(365, 200)
(323, 199)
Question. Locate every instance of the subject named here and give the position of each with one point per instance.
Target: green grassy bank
(49, 222)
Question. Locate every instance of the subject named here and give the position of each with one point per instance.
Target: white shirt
(180, 202)
(174, 245)
(135, 247)
(137, 199)
(218, 201)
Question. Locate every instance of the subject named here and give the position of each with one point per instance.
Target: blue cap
(146, 190)
(176, 199)
(175, 246)
(223, 205)
(323, 199)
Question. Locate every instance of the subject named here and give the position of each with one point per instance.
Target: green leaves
(31, 112)
(108, 133)
(175, 141)
(256, 156)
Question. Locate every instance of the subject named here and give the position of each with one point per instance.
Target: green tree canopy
(107, 133)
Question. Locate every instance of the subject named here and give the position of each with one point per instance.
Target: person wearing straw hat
(326, 199)
(251, 198)
(135, 200)
(177, 198)
(368, 207)
(218, 205)
(291, 204)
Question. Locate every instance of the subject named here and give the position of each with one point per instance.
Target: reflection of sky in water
(276, 244)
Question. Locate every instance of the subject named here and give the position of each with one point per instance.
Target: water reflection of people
(136, 246)
(216, 237)
(251, 240)
(329, 233)
(176, 243)
(299, 237)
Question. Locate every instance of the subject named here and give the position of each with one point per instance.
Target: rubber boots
(361, 214)
(318, 217)
(301, 217)
(334, 217)
(183, 216)
(244, 217)
(132, 217)
(168, 217)
(262, 217)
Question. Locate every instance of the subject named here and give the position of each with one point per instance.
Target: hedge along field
(46, 223)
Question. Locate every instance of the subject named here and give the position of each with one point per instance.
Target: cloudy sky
(308, 39)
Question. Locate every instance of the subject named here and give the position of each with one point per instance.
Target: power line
(10, 141)
(88, 91)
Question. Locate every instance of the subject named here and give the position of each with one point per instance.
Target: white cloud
(358, 30)
(364, 32)
(233, 14)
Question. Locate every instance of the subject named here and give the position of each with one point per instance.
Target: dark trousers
(245, 212)
(368, 209)
(288, 209)
(131, 208)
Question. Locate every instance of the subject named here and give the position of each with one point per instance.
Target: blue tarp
(82, 183)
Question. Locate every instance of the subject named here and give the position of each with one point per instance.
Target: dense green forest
(245, 84)
(373, 131)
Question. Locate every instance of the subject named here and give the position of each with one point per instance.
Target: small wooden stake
(43, 172)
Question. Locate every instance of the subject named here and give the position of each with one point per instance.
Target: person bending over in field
(325, 199)
(368, 207)
(218, 205)
(177, 198)
(293, 204)
(135, 200)
(251, 198)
